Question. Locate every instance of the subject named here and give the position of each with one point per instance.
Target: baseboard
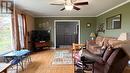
(53, 48)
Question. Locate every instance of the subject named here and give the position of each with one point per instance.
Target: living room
(45, 30)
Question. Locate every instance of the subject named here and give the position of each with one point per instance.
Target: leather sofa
(114, 59)
(100, 42)
(98, 45)
(114, 64)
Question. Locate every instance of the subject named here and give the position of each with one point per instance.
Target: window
(6, 43)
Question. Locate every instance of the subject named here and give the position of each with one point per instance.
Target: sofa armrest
(91, 56)
(91, 42)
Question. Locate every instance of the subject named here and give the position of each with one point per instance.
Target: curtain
(19, 31)
(25, 30)
(16, 41)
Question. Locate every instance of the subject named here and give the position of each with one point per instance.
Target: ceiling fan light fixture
(68, 7)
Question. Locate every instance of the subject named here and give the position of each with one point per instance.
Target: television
(40, 35)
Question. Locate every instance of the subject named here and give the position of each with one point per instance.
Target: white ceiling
(41, 8)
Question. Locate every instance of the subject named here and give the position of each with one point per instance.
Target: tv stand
(41, 45)
(40, 39)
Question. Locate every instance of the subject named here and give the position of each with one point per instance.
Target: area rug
(62, 57)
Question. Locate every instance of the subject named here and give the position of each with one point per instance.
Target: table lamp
(92, 35)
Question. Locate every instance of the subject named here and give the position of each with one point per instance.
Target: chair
(77, 47)
(26, 55)
(75, 50)
(17, 62)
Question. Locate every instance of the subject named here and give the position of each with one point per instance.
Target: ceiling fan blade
(62, 9)
(76, 8)
(57, 4)
(81, 3)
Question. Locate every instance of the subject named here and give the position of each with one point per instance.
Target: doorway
(66, 32)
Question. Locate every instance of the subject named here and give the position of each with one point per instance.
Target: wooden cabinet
(42, 44)
(38, 46)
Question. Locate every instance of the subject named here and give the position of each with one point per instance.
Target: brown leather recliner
(114, 60)
(114, 64)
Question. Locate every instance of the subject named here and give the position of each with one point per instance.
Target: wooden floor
(41, 63)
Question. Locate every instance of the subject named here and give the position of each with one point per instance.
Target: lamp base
(92, 38)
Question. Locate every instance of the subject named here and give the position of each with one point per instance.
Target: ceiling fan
(70, 4)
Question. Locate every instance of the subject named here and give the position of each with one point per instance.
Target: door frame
(55, 21)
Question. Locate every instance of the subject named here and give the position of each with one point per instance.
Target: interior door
(66, 33)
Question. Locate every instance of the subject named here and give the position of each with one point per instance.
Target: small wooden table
(4, 67)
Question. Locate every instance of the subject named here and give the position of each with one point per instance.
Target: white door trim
(65, 21)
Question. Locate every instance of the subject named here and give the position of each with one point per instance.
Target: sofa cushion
(117, 61)
(105, 68)
(106, 39)
(101, 43)
(114, 42)
(112, 56)
(118, 43)
(99, 68)
(94, 48)
(99, 40)
(107, 53)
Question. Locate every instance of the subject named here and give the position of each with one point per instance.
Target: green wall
(125, 20)
(48, 24)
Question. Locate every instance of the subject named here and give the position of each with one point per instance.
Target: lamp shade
(92, 35)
